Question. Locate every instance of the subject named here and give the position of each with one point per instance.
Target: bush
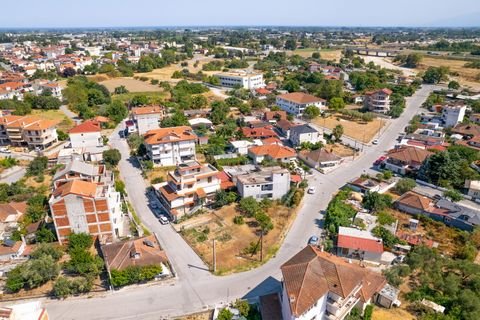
(112, 157)
(405, 185)
(82, 262)
(157, 180)
(249, 206)
(385, 218)
(238, 220)
(376, 201)
(79, 241)
(64, 287)
(46, 249)
(453, 195)
(37, 166)
(134, 274)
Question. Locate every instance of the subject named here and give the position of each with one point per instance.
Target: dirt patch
(159, 173)
(132, 85)
(232, 239)
(207, 315)
(340, 150)
(64, 122)
(391, 314)
(361, 131)
(326, 54)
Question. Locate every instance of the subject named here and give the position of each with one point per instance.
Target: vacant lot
(131, 84)
(64, 123)
(361, 131)
(159, 173)
(207, 315)
(327, 54)
(391, 314)
(467, 76)
(232, 239)
(156, 97)
(340, 150)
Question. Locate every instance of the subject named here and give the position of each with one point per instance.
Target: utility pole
(214, 258)
(261, 246)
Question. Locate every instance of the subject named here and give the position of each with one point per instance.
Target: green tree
(311, 112)
(376, 201)
(336, 103)
(37, 166)
(79, 241)
(117, 111)
(225, 314)
(453, 195)
(249, 206)
(436, 74)
(337, 132)
(112, 157)
(404, 185)
(242, 306)
(453, 85)
(45, 235)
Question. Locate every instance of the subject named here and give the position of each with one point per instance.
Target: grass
(146, 232)
(391, 314)
(158, 172)
(327, 54)
(132, 85)
(64, 122)
(155, 97)
(361, 131)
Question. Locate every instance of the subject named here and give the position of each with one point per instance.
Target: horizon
(56, 14)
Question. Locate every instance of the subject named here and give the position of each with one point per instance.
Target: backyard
(358, 130)
(233, 239)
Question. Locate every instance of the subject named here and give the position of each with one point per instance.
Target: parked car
(375, 141)
(5, 150)
(311, 190)
(399, 259)
(313, 241)
(379, 160)
(163, 219)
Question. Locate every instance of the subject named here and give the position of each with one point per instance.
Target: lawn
(64, 122)
(232, 239)
(132, 85)
(361, 131)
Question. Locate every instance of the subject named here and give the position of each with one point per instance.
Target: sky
(114, 13)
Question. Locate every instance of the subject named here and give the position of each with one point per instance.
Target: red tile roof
(363, 244)
(86, 127)
(258, 133)
(274, 151)
(300, 98)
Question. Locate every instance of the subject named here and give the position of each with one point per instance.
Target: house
(319, 285)
(405, 159)
(414, 203)
(272, 152)
(144, 251)
(241, 146)
(11, 250)
(467, 130)
(259, 133)
(243, 80)
(378, 100)
(28, 131)
(190, 186)
(364, 185)
(473, 188)
(296, 102)
(24, 311)
(284, 126)
(455, 215)
(83, 206)
(359, 244)
(10, 214)
(269, 182)
(475, 118)
(274, 116)
(170, 146)
(197, 123)
(305, 133)
(79, 170)
(453, 114)
(147, 118)
(86, 134)
(320, 158)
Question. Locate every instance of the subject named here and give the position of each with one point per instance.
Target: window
(209, 179)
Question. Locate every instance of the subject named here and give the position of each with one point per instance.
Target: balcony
(337, 310)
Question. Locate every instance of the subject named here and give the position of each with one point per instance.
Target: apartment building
(244, 80)
(269, 182)
(147, 118)
(453, 114)
(305, 133)
(86, 134)
(28, 131)
(319, 285)
(188, 187)
(79, 170)
(170, 146)
(296, 102)
(378, 100)
(83, 206)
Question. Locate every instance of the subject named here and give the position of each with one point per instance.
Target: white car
(311, 190)
(5, 150)
(375, 141)
(163, 220)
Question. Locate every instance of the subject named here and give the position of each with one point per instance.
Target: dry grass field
(232, 239)
(391, 314)
(361, 131)
(131, 84)
(64, 122)
(327, 54)
(206, 315)
(340, 150)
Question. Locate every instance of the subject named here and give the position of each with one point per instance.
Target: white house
(453, 114)
(319, 285)
(147, 118)
(473, 188)
(189, 187)
(244, 80)
(296, 102)
(305, 133)
(378, 100)
(359, 244)
(320, 158)
(170, 146)
(241, 146)
(269, 182)
(86, 134)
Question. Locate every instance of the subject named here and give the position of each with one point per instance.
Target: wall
(89, 139)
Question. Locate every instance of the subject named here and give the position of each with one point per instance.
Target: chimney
(321, 248)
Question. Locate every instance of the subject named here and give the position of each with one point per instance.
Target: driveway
(196, 289)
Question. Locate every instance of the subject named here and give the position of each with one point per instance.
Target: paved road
(14, 174)
(195, 288)
(70, 114)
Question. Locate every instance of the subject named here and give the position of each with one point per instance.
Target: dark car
(313, 241)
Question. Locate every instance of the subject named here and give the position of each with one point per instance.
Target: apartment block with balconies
(378, 101)
(28, 131)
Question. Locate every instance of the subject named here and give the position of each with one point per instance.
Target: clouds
(91, 13)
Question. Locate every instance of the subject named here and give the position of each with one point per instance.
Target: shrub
(157, 180)
(134, 274)
(405, 185)
(238, 220)
(385, 218)
(79, 241)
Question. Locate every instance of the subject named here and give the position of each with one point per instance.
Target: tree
(316, 55)
(112, 157)
(388, 238)
(61, 288)
(62, 135)
(242, 306)
(249, 206)
(219, 112)
(376, 201)
(37, 166)
(405, 185)
(69, 72)
(396, 111)
(79, 241)
(199, 101)
(121, 90)
(225, 314)
(291, 85)
(82, 262)
(117, 111)
(435, 74)
(336, 103)
(453, 195)
(337, 132)
(290, 44)
(453, 85)
(223, 198)
(45, 235)
(264, 221)
(311, 112)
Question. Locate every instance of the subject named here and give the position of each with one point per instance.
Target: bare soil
(358, 130)
(132, 85)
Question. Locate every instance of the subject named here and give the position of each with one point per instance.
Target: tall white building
(453, 114)
(378, 101)
(170, 146)
(86, 134)
(241, 79)
(296, 102)
(270, 183)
